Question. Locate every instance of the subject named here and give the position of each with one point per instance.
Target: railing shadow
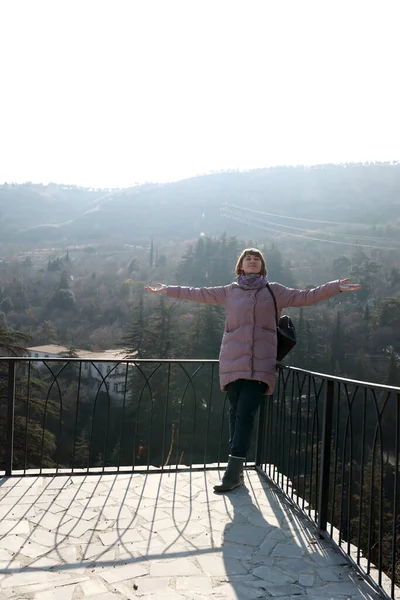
(113, 506)
(154, 524)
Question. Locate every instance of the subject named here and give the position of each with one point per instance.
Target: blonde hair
(254, 252)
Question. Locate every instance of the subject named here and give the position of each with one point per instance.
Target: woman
(247, 359)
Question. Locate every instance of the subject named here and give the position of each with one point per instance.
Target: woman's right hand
(160, 289)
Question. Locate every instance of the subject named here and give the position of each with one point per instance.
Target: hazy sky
(109, 93)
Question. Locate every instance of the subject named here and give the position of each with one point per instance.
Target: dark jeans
(244, 397)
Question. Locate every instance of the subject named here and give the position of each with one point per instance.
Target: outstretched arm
(206, 295)
(290, 297)
(160, 289)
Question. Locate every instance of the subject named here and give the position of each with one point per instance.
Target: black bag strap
(274, 299)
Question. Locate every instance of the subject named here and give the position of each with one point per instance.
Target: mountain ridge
(33, 212)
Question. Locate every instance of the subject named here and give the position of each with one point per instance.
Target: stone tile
(64, 553)
(175, 568)
(35, 581)
(151, 489)
(306, 579)
(82, 513)
(10, 501)
(58, 483)
(18, 493)
(278, 535)
(102, 525)
(94, 501)
(245, 534)
(215, 566)
(145, 585)
(160, 525)
(327, 558)
(44, 562)
(236, 551)
(93, 587)
(201, 584)
(121, 536)
(209, 498)
(273, 575)
(268, 546)
(288, 550)
(190, 491)
(14, 527)
(170, 498)
(71, 495)
(76, 527)
(154, 514)
(229, 591)
(97, 551)
(146, 548)
(210, 539)
(295, 565)
(6, 565)
(259, 520)
(339, 588)
(173, 534)
(122, 572)
(45, 507)
(17, 511)
(18, 544)
(163, 595)
(271, 521)
(93, 488)
(117, 512)
(289, 589)
(187, 514)
(213, 524)
(108, 596)
(51, 521)
(334, 574)
(65, 504)
(61, 593)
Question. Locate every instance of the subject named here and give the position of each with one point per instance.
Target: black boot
(233, 476)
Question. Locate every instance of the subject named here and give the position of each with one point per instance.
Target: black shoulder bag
(285, 331)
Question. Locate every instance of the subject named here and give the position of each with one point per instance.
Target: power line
(241, 220)
(294, 218)
(337, 234)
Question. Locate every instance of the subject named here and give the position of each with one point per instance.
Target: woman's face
(251, 264)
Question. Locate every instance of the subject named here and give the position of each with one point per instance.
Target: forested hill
(351, 193)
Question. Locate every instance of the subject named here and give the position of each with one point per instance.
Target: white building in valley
(104, 376)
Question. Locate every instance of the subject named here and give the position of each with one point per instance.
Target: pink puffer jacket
(248, 348)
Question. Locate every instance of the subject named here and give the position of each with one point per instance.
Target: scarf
(251, 282)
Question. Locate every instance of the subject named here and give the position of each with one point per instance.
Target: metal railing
(332, 446)
(68, 414)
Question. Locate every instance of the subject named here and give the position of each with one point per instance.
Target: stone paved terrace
(159, 536)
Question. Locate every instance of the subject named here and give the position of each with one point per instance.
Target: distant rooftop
(112, 353)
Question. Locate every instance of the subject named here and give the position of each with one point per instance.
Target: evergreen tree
(393, 376)
(337, 343)
(204, 337)
(13, 343)
(64, 281)
(151, 257)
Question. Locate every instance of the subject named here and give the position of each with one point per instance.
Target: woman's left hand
(345, 286)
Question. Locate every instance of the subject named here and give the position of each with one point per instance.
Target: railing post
(326, 457)
(261, 431)
(10, 416)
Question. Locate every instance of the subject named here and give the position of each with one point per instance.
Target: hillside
(367, 194)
